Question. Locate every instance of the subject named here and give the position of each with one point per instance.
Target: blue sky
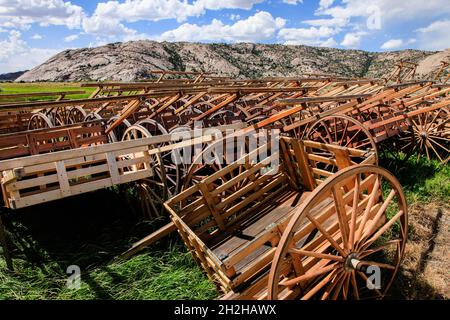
(31, 31)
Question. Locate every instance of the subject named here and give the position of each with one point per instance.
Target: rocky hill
(131, 61)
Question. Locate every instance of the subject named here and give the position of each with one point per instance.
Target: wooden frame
(228, 219)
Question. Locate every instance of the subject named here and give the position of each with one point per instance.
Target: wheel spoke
(344, 134)
(354, 285)
(326, 235)
(381, 265)
(320, 285)
(379, 214)
(434, 150)
(346, 285)
(339, 275)
(338, 288)
(311, 275)
(362, 275)
(351, 139)
(382, 230)
(372, 198)
(369, 252)
(341, 215)
(316, 254)
(354, 211)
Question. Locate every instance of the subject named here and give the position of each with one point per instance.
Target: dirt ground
(425, 272)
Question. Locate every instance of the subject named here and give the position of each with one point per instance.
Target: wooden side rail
(321, 99)
(38, 179)
(50, 140)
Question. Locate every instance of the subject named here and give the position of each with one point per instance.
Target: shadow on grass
(410, 171)
(87, 230)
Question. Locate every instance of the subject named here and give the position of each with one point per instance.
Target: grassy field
(91, 229)
(12, 88)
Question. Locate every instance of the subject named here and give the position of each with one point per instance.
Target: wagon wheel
(256, 119)
(40, 121)
(220, 117)
(343, 131)
(192, 111)
(201, 106)
(373, 113)
(153, 191)
(171, 170)
(182, 157)
(301, 131)
(340, 240)
(199, 169)
(61, 116)
(92, 116)
(242, 112)
(382, 113)
(76, 115)
(216, 156)
(117, 133)
(429, 135)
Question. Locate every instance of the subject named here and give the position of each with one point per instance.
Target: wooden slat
(62, 178)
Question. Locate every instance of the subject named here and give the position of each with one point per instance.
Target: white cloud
(357, 16)
(111, 28)
(330, 42)
(155, 10)
(228, 4)
(390, 11)
(293, 2)
(22, 13)
(235, 17)
(37, 36)
(352, 39)
(435, 36)
(108, 18)
(308, 36)
(323, 4)
(71, 38)
(135, 10)
(17, 55)
(392, 44)
(260, 26)
(334, 22)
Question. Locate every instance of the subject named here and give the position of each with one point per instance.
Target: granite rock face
(132, 60)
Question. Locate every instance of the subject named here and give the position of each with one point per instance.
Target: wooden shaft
(148, 240)
(229, 100)
(178, 72)
(321, 99)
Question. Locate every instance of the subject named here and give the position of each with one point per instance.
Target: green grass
(171, 274)
(423, 180)
(12, 88)
(89, 231)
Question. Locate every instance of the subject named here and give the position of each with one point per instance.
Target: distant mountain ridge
(12, 76)
(130, 61)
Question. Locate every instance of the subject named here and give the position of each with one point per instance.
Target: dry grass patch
(424, 273)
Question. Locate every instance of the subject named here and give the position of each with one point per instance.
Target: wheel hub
(351, 262)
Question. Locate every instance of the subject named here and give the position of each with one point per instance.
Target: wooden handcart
(291, 223)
